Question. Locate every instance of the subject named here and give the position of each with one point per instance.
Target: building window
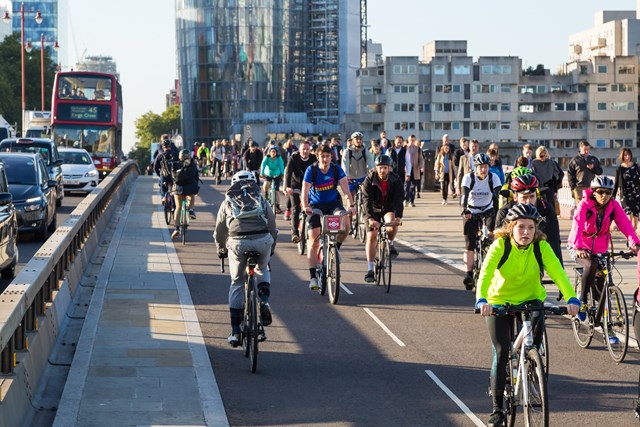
(602, 88)
(602, 106)
(558, 106)
(602, 69)
(582, 106)
(505, 125)
(405, 108)
(367, 90)
(461, 70)
(438, 70)
(505, 88)
(404, 88)
(505, 107)
(626, 69)
(601, 125)
(424, 108)
(425, 70)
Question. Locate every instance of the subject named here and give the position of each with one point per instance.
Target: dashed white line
(455, 399)
(384, 328)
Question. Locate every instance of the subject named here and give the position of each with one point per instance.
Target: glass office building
(33, 30)
(262, 56)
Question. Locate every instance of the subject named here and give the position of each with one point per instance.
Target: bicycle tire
(583, 331)
(355, 225)
(322, 272)
(333, 274)
(543, 349)
(167, 211)
(302, 244)
(617, 321)
(362, 221)
(253, 310)
(509, 404)
(386, 266)
(535, 404)
(477, 263)
(184, 221)
(377, 265)
(246, 324)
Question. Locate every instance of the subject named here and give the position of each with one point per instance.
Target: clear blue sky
(140, 36)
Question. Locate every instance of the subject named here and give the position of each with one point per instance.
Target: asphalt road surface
(416, 356)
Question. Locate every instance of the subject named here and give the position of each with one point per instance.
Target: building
(98, 64)
(243, 58)
(33, 30)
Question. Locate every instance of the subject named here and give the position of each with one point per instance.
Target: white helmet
(243, 176)
(356, 135)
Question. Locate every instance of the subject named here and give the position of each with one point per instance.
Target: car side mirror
(58, 163)
(52, 183)
(5, 199)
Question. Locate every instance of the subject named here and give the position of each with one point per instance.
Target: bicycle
(359, 225)
(272, 195)
(526, 383)
(183, 219)
(169, 206)
(382, 261)
(606, 307)
(483, 241)
(328, 267)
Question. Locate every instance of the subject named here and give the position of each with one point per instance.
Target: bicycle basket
(333, 224)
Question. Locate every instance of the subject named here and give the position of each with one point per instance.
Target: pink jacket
(585, 235)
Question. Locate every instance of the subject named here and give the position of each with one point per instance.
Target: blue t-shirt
(323, 190)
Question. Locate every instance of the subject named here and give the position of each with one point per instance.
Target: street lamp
(7, 19)
(55, 47)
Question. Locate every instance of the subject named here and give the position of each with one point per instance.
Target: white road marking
(384, 328)
(455, 399)
(457, 264)
(345, 288)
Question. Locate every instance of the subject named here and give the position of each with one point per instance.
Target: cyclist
(216, 154)
(163, 165)
(185, 176)
(590, 232)
(357, 161)
(382, 199)
(296, 167)
(505, 193)
(515, 279)
(525, 191)
(246, 224)
(320, 191)
(203, 157)
(253, 160)
(272, 169)
(479, 188)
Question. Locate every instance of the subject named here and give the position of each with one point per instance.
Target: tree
(10, 79)
(149, 128)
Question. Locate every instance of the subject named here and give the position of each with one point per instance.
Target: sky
(140, 36)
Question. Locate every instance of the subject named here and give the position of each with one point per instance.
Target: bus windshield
(84, 87)
(99, 141)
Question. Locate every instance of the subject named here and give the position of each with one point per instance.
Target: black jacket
(549, 225)
(253, 160)
(296, 167)
(186, 178)
(372, 196)
(162, 165)
(399, 160)
(579, 174)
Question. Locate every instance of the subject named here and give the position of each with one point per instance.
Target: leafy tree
(149, 128)
(10, 79)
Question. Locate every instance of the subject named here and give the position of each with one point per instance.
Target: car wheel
(41, 232)
(60, 196)
(9, 272)
(54, 223)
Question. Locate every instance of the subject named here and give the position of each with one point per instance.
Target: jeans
(238, 265)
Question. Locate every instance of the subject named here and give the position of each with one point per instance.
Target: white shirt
(481, 196)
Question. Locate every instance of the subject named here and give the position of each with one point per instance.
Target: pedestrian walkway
(141, 358)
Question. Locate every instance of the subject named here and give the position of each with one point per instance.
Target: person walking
(414, 168)
(445, 170)
(549, 174)
(628, 182)
(582, 169)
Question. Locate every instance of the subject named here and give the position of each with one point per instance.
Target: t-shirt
(384, 185)
(323, 190)
(480, 196)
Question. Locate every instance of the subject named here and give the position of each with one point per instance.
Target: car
(34, 194)
(49, 151)
(78, 171)
(8, 229)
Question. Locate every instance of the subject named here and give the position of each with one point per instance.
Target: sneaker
(192, 214)
(468, 282)
(175, 235)
(295, 239)
(444, 202)
(613, 338)
(406, 204)
(393, 251)
(265, 313)
(582, 314)
(370, 277)
(496, 419)
(418, 195)
(413, 204)
(287, 215)
(234, 340)
(313, 284)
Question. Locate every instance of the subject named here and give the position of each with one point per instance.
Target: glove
(222, 253)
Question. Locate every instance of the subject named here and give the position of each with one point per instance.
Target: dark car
(8, 230)
(49, 152)
(34, 194)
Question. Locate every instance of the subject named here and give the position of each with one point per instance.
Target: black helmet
(602, 181)
(524, 184)
(383, 160)
(481, 159)
(523, 211)
(166, 143)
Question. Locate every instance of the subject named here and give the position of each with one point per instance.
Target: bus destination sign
(84, 113)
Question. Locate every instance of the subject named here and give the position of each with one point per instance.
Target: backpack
(507, 251)
(314, 174)
(245, 200)
(473, 181)
(185, 174)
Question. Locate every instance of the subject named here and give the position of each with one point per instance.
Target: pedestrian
(445, 170)
(549, 174)
(628, 182)
(414, 167)
(495, 166)
(465, 164)
(527, 152)
(582, 169)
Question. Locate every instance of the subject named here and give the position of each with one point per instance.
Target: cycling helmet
(602, 181)
(243, 176)
(523, 211)
(184, 154)
(524, 184)
(273, 148)
(254, 144)
(383, 160)
(166, 143)
(520, 170)
(356, 135)
(481, 159)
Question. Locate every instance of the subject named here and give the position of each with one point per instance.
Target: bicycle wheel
(617, 322)
(535, 403)
(246, 326)
(583, 331)
(477, 263)
(543, 349)
(362, 225)
(184, 221)
(253, 321)
(302, 244)
(509, 403)
(333, 274)
(355, 224)
(168, 211)
(386, 266)
(322, 271)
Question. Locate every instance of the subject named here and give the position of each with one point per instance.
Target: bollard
(6, 358)
(30, 318)
(19, 336)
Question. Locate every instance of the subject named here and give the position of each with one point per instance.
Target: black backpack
(314, 174)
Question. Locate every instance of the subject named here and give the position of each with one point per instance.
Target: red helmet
(524, 184)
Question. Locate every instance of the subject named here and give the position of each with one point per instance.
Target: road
(415, 356)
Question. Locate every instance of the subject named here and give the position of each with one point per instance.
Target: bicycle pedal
(262, 337)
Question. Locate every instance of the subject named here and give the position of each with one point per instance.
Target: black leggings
(444, 186)
(500, 333)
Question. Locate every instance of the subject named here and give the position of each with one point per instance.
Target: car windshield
(71, 158)
(26, 148)
(20, 170)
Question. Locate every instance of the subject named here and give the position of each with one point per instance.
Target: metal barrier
(26, 298)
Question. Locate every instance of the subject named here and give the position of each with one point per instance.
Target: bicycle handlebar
(619, 254)
(509, 309)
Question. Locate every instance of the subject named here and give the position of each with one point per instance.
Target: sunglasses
(603, 192)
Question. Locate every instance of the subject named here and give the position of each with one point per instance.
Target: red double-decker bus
(87, 113)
